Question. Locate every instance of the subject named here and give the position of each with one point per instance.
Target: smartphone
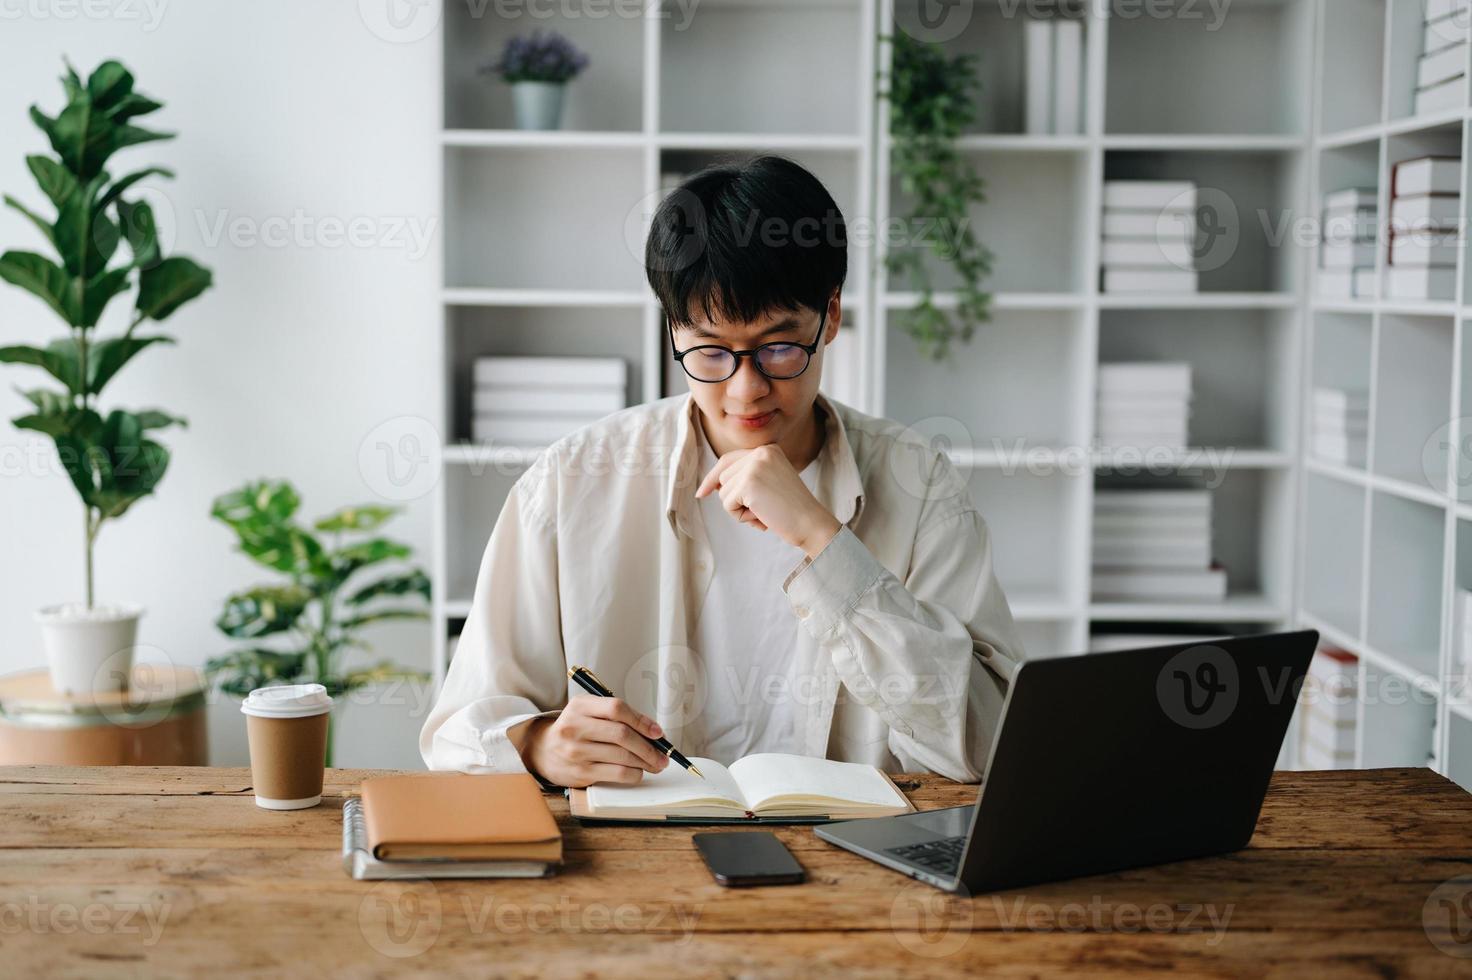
(748, 857)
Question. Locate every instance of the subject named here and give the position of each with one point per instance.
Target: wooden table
(176, 872)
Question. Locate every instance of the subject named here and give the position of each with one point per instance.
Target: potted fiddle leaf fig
(538, 67)
(103, 244)
(300, 629)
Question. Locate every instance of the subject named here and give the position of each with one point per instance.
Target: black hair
(746, 239)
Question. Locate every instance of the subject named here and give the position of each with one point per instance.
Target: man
(751, 567)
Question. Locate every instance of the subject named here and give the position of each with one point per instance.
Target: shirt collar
(840, 487)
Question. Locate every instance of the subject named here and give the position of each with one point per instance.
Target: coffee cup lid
(287, 701)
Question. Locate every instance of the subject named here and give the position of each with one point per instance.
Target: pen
(589, 682)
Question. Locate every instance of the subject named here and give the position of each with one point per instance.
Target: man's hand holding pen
(593, 740)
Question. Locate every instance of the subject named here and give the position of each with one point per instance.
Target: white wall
(291, 111)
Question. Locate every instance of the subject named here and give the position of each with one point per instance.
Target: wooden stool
(158, 721)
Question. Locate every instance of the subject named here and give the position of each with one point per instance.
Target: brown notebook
(431, 816)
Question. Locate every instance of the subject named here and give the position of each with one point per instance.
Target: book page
(768, 775)
(667, 790)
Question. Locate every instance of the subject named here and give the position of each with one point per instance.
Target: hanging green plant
(930, 105)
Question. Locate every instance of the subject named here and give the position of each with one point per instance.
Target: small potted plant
(299, 630)
(105, 242)
(538, 67)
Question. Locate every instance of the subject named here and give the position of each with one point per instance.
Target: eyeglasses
(780, 361)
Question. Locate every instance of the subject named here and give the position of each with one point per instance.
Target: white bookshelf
(543, 231)
(1385, 546)
(1285, 98)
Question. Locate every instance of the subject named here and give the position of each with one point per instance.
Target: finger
(619, 734)
(617, 709)
(713, 478)
(605, 772)
(751, 520)
(616, 754)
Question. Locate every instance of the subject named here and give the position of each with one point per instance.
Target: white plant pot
(89, 651)
(538, 105)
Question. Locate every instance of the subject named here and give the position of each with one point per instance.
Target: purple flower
(538, 57)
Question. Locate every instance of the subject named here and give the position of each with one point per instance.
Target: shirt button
(802, 612)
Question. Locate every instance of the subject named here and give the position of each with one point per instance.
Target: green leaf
(107, 357)
(357, 622)
(141, 232)
(47, 402)
(258, 665)
(379, 673)
(254, 503)
(41, 277)
(170, 284)
(413, 582)
(55, 181)
(286, 548)
(372, 551)
(364, 517)
(55, 414)
(71, 82)
(85, 239)
(109, 84)
(41, 223)
(133, 105)
(263, 610)
(59, 359)
(100, 291)
(122, 184)
(154, 419)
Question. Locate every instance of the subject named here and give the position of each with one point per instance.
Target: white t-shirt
(746, 634)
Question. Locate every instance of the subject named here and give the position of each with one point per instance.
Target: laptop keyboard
(942, 856)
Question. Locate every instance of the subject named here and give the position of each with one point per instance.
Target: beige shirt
(600, 558)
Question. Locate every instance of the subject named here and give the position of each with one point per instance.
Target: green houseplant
(321, 610)
(930, 106)
(111, 457)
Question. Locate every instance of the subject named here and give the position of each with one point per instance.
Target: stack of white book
(1154, 545)
(1149, 236)
(1425, 209)
(1053, 50)
(1441, 72)
(1462, 646)
(532, 401)
(1341, 425)
(1347, 253)
(1145, 404)
(1326, 712)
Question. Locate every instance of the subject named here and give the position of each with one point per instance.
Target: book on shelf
(1441, 97)
(1115, 252)
(1068, 68)
(1347, 254)
(1328, 708)
(1351, 199)
(1037, 48)
(527, 430)
(1434, 10)
(1462, 640)
(1350, 225)
(1421, 283)
(1341, 450)
(1157, 226)
(1110, 552)
(1443, 32)
(1425, 212)
(1151, 195)
(586, 400)
(1341, 399)
(1162, 502)
(768, 785)
(1140, 378)
(1173, 281)
(439, 825)
(1110, 642)
(1424, 249)
(1346, 283)
(1152, 524)
(1160, 585)
(1426, 175)
(527, 371)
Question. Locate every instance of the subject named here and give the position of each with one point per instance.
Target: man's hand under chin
(760, 487)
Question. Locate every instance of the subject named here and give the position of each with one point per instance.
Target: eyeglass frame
(737, 355)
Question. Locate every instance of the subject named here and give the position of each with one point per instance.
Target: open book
(766, 785)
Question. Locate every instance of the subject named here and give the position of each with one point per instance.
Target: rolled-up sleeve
(933, 653)
(509, 665)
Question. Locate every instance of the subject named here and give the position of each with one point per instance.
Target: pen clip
(592, 677)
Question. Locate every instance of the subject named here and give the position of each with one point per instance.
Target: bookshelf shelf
(1200, 301)
(1240, 608)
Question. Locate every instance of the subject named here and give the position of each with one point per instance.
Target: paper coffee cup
(287, 730)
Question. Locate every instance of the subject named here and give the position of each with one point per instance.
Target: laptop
(1109, 761)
